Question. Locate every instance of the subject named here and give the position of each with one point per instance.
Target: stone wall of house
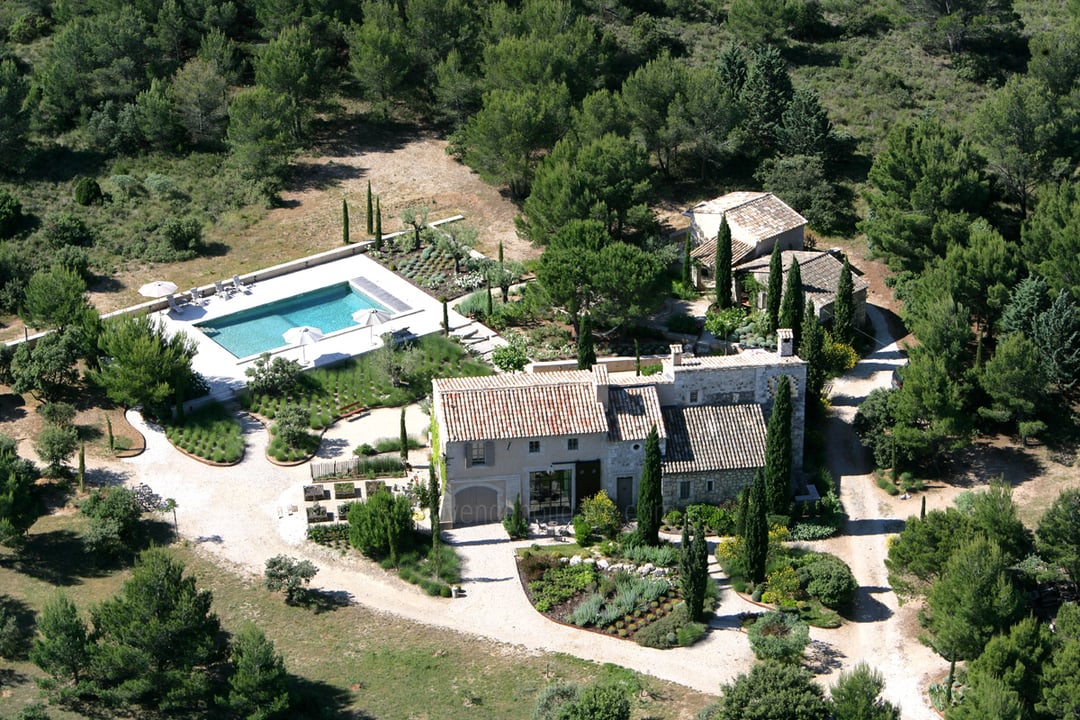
(746, 384)
(726, 485)
(624, 459)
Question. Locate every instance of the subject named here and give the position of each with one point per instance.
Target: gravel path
(241, 515)
(882, 633)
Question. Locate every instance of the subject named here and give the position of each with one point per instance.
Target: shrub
(379, 526)
(533, 566)
(27, 27)
(88, 192)
(517, 527)
(587, 610)
(10, 214)
(661, 555)
(273, 377)
(602, 515)
(829, 580)
(582, 531)
(673, 629)
(783, 586)
(365, 449)
(65, 229)
(682, 324)
(288, 574)
(673, 519)
(812, 531)
(779, 636)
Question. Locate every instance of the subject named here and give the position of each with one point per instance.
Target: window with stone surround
(571, 444)
(684, 489)
(693, 396)
(534, 446)
(710, 485)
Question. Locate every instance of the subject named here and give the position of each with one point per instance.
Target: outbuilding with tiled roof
(820, 272)
(758, 221)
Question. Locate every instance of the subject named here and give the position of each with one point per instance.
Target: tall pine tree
(778, 451)
(756, 530)
(650, 499)
(791, 308)
(586, 354)
(776, 287)
(843, 327)
(723, 265)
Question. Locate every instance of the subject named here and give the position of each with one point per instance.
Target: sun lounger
(173, 306)
(223, 290)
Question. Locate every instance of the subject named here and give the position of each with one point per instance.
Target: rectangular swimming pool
(260, 329)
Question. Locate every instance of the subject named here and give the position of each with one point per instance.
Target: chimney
(676, 355)
(785, 342)
(600, 383)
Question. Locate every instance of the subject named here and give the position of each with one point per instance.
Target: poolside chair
(178, 309)
(223, 290)
(196, 296)
(240, 286)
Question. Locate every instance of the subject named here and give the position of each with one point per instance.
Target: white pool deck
(226, 373)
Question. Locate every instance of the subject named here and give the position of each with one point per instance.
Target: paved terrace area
(422, 315)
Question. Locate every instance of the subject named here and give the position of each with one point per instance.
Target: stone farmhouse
(820, 272)
(758, 221)
(555, 437)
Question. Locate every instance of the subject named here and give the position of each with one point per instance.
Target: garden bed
(430, 268)
(639, 603)
(212, 434)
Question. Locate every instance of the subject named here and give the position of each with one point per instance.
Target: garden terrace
(362, 381)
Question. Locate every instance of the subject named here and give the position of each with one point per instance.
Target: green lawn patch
(211, 433)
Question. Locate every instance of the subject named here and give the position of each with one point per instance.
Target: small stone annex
(555, 437)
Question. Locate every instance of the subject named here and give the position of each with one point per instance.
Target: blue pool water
(254, 331)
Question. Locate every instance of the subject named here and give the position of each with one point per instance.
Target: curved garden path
(240, 515)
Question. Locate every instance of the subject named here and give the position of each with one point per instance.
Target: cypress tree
(778, 451)
(791, 309)
(433, 516)
(445, 317)
(345, 221)
(686, 574)
(723, 265)
(686, 260)
(82, 467)
(843, 328)
(378, 225)
(404, 438)
(756, 532)
(700, 563)
(776, 285)
(637, 357)
(742, 511)
(370, 215)
(650, 499)
(490, 303)
(586, 354)
(813, 352)
(504, 279)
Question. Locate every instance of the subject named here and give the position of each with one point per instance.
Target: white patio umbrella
(157, 289)
(369, 318)
(302, 335)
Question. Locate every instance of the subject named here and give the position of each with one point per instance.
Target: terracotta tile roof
(752, 216)
(522, 411)
(522, 379)
(703, 438)
(705, 252)
(820, 273)
(746, 358)
(632, 411)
